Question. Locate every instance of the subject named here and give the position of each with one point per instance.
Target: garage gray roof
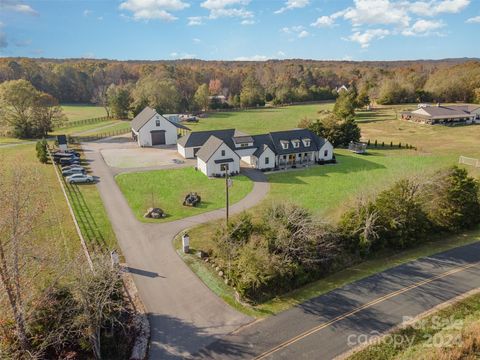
(198, 138)
(142, 118)
(146, 115)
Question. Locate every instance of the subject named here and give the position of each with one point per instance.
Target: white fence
(469, 161)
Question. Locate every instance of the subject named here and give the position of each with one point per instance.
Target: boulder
(154, 213)
(220, 273)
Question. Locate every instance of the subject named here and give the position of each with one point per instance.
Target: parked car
(73, 170)
(79, 178)
(69, 161)
(76, 153)
(68, 167)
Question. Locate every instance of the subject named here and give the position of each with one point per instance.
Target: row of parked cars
(69, 161)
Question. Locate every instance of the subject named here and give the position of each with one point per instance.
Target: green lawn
(82, 111)
(262, 120)
(329, 189)
(166, 189)
(90, 128)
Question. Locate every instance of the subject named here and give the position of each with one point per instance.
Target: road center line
(360, 308)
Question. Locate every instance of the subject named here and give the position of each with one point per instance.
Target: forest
(187, 85)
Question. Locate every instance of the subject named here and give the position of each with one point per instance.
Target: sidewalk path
(185, 315)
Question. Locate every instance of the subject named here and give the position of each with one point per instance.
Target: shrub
(452, 200)
(42, 153)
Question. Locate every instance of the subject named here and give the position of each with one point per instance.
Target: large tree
(340, 132)
(119, 101)
(202, 97)
(157, 90)
(252, 93)
(31, 113)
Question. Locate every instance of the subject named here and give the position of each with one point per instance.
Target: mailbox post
(186, 243)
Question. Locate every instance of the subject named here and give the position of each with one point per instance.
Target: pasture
(262, 120)
(76, 112)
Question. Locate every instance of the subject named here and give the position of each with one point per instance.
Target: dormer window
(296, 143)
(306, 142)
(284, 144)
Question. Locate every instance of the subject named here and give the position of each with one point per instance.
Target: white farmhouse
(150, 128)
(275, 150)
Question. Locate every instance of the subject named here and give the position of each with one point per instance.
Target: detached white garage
(150, 128)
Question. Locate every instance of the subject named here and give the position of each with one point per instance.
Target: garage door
(158, 137)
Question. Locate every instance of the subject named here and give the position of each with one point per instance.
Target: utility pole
(226, 193)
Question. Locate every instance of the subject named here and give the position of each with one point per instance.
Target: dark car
(68, 161)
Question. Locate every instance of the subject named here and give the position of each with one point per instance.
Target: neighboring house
(281, 149)
(215, 158)
(219, 99)
(444, 115)
(150, 128)
(172, 117)
(341, 89)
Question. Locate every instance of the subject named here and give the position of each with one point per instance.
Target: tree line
(286, 246)
(187, 85)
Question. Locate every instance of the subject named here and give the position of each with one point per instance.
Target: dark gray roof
(142, 118)
(177, 125)
(277, 137)
(198, 138)
(223, 161)
(209, 148)
(261, 142)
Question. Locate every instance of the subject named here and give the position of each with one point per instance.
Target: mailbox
(186, 243)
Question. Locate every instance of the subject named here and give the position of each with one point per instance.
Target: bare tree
(20, 211)
(101, 301)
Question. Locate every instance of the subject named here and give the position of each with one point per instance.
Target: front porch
(296, 160)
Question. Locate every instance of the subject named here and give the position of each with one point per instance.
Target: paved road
(329, 325)
(185, 315)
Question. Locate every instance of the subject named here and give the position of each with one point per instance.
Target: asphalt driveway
(185, 315)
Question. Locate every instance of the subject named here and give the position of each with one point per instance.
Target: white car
(79, 178)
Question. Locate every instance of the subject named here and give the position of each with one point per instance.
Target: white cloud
(293, 4)
(281, 54)
(227, 8)
(366, 37)
(473, 20)
(100, 18)
(423, 27)
(195, 20)
(323, 21)
(393, 16)
(247, 22)
(303, 34)
(298, 31)
(88, 55)
(196, 40)
(17, 6)
(252, 58)
(87, 12)
(153, 9)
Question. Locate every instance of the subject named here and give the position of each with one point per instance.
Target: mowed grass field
(261, 120)
(166, 189)
(55, 240)
(76, 112)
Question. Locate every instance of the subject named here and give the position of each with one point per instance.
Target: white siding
(327, 147)
(211, 168)
(145, 137)
(268, 153)
(181, 150)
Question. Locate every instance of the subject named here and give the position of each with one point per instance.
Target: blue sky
(240, 29)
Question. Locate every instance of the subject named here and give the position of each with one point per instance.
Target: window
(244, 145)
(325, 153)
(306, 142)
(296, 143)
(284, 157)
(284, 145)
(223, 152)
(267, 160)
(157, 122)
(224, 167)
